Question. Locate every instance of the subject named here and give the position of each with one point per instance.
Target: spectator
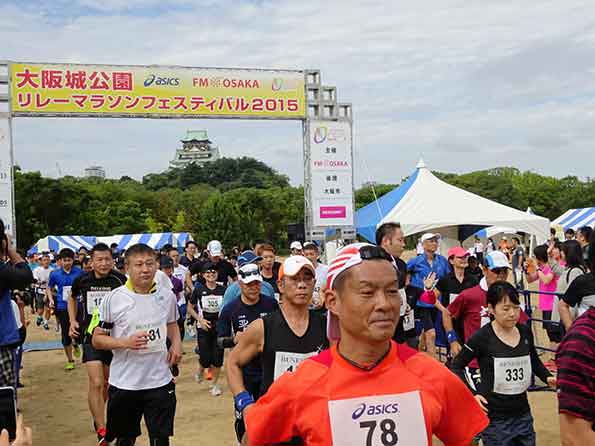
(569, 234)
(491, 246)
(518, 259)
(580, 294)
(478, 249)
(572, 254)
(474, 269)
(14, 274)
(584, 238)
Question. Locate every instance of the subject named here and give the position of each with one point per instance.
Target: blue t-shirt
(236, 316)
(419, 268)
(63, 282)
(233, 292)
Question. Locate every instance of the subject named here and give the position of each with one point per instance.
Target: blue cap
(248, 257)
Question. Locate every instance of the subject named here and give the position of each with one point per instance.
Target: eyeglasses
(499, 270)
(369, 252)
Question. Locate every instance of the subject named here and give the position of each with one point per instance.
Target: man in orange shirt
(367, 390)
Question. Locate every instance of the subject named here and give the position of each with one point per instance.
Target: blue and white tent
(426, 203)
(576, 218)
(58, 242)
(154, 240)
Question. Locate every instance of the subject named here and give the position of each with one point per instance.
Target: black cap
(207, 266)
(166, 262)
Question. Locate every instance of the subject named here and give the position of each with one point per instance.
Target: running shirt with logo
(236, 316)
(224, 269)
(127, 313)
(90, 291)
(505, 371)
(63, 282)
(208, 300)
(404, 400)
(283, 350)
(42, 276)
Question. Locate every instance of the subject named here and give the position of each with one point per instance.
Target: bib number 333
(386, 420)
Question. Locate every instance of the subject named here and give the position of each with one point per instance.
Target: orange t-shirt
(403, 401)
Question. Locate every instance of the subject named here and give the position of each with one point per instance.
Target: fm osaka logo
(320, 134)
(375, 409)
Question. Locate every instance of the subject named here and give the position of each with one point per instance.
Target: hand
(204, 324)
(482, 402)
(73, 332)
(24, 435)
(174, 355)
(455, 348)
(551, 381)
(52, 304)
(138, 340)
(429, 281)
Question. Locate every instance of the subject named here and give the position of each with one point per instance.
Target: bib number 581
(388, 435)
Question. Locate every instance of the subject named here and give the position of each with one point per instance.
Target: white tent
(425, 203)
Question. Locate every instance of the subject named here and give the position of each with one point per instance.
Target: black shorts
(125, 408)
(401, 335)
(64, 321)
(210, 354)
(40, 301)
(90, 354)
(427, 316)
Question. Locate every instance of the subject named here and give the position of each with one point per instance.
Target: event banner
(96, 90)
(5, 176)
(331, 173)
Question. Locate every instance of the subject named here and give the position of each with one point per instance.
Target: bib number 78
(388, 435)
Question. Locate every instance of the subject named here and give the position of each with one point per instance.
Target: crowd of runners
(346, 353)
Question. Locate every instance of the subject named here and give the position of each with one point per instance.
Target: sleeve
(456, 308)
(224, 323)
(469, 352)
(458, 403)
(574, 293)
(272, 419)
(15, 276)
(231, 271)
(537, 366)
(173, 313)
(411, 265)
(106, 318)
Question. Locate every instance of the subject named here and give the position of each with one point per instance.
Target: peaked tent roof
(576, 218)
(424, 203)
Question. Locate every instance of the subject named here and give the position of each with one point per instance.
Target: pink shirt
(546, 302)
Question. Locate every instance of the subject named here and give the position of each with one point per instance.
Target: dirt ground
(54, 404)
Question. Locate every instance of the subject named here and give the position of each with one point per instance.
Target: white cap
(496, 259)
(294, 264)
(249, 273)
(214, 247)
(295, 245)
(429, 235)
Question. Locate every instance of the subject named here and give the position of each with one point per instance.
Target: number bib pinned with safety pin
(156, 334)
(512, 376)
(380, 420)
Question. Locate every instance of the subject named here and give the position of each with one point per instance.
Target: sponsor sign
(331, 173)
(96, 90)
(6, 209)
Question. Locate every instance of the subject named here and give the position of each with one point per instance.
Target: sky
(465, 85)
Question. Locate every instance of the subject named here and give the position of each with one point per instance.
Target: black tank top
(283, 350)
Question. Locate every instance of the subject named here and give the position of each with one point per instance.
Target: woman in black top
(507, 359)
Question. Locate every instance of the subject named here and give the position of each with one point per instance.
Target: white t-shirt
(42, 275)
(129, 313)
(321, 273)
(163, 281)
(17, 313)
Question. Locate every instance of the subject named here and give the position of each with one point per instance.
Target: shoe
(69, 366)
(216, 391)
(198, 378)
(39, 321)
(209, 374)
(46, 326)
(76, 351)
(101, 437)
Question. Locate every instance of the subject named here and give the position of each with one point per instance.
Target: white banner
(331, 173)
(6, 209)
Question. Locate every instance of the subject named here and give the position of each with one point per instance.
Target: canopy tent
(58, 242)
(576, 218)
(74, 242)
(495, 230)
(426, 203)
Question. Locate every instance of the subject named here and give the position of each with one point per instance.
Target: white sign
(331, 173)
(6, 208)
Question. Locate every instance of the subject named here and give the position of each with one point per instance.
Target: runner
(41, 275)
(63, 278)
(135, 320)
(518, 260)
(507, 360)
(390, 237)
(312, 253)
(296, 248)
(205, 304)
(166, 265)
(225, 270)
(367, 390)
(419, 269)
(269, 268)
(189, 257)
(233, 291)
(90, 289)
(235, 317)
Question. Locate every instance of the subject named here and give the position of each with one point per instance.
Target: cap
(293, 265)
(207, 266)
(311, 245)
(457, 251)
(347, 257)
(295, 245)
(249, 273)
(248, 257)
(504, 238)
(429, 235)
(496, 259)
(166, 262)
(214, 247)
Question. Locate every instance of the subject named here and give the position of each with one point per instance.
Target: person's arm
(174, 354)
(460, 361)
(575, 431)
(225, 337)
(103, 341)
(16, 274)
(72, 307)
(545, 278)
(565, 315)
(454, 310)
(249, 345)
(49, 291)
(188, 279)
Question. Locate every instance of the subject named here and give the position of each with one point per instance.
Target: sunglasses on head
(370, 252)
(249, 270)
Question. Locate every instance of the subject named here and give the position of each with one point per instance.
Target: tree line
(237, 201)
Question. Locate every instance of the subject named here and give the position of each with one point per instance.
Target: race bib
(512, 376)
(453, 297)
(288, 362)
(403, 301)
(157, 336)
(409, 321)
(211, 303)
(66, 293)
(387, 420)
(94, 299)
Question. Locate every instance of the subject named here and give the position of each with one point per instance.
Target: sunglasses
(370, 252)
(211, 271)
(248, 271)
